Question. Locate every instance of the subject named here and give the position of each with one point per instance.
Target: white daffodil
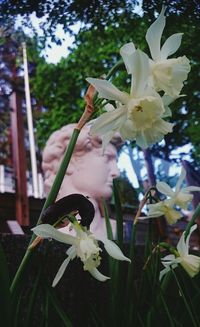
(190, 262)
(84, 246)
(163, 208)
(180, 196)
(138, 115)
(166, 74)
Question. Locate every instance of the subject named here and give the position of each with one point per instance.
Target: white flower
(190, 262)
(180, 196)
(138, 115)
(166, 74)
(163, 208)
(84, 246)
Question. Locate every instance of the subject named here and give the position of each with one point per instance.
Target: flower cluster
(189, 262)
(139, 115)
(84, 246)
(176, 199)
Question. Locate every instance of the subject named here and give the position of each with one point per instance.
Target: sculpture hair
(57, 144)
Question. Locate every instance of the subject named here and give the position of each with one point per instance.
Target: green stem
(114, 69)
(129, 284)
(168, 247)
(50, 199)
(191, 222)
(185, 300)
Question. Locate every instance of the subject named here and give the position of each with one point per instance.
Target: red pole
(19, 160)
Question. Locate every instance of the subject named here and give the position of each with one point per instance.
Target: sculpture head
(90, 172)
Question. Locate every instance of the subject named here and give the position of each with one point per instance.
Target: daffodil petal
(167, 99)
(183, 245)
(108, 121)
(189, 189)
(140, 72)
(149, 216)
(169, 262)
(163, 272)
(168, 259)
(154, 33)
(172, 216)
(191, 264)
(127, 54)
(61, 271)
(107, 90)
(153, 134)
(106, 139)
(156, 209)
(48, 231)
(165, 189)
(181, 179)
(114, 251)
(167, 113)
(99, 276)
(171, 45)
(127, 131)
(192, 229)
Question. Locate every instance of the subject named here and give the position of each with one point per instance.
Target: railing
(7, 182)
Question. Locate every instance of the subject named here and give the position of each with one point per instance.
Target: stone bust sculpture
(90, 172)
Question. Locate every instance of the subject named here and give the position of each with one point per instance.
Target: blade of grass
(130, 277)
(187, 283)
(113, 267)
(107, 219)
(184, 300)
(32, 299)
(142, 324)
(119, 215)
(192, 221)
(56, 304)
(5, 300)
(46, 310)
(16, 313)
(97, 320)
(171, 323)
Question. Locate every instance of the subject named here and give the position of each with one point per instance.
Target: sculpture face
(93, 173)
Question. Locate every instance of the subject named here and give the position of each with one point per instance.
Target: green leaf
(56, 304)
(119, 215)
(32, 299)
(107, 219)
(184, 298)
(5, 301)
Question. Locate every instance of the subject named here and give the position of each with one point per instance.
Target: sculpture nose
(115, 172)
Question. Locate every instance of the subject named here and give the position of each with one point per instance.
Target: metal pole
(30, 125)
(19, 160)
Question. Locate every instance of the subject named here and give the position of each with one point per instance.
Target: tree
(86, 60)
(59, 89)
(93, 13)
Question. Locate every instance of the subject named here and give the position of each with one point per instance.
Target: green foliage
(60, 88)
(5, 299)
(95, 13)
(136, 296)
(127, 194)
